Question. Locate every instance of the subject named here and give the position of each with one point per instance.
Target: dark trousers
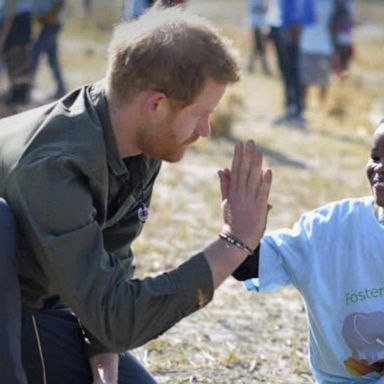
(11, 370)
(16, 54)
(287, 52)
(258, 42)
(47, 43)
(53, 351)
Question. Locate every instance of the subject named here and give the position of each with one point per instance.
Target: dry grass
(242, 337)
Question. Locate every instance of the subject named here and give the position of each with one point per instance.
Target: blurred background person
(343, 21)
(316, 51)
(87, 8)
(171, 3)
(287, 17)
(134, 8)
(15, 42)
(257, 10)
(273, 22)
(50, 16)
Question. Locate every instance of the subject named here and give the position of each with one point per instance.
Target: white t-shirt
(316, 37)
(257, 10)
(334, 256)
(273, 15)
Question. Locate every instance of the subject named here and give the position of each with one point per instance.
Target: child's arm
(104, 368)
(249, 268)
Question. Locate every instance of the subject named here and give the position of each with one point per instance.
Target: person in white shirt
(257, 10)
(316, 51)
(334, 256)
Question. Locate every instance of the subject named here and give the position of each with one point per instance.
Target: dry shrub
(227, 114)
(350, 100)
(376, 113)
(337, 99)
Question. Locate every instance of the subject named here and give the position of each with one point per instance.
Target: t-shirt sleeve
(284, 257)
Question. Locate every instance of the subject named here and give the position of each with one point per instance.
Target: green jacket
(75, 202)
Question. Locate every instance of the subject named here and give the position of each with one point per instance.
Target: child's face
(375, 166)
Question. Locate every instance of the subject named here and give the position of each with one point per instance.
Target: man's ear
(156, 106)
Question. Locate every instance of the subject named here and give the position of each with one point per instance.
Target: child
(256, 14)
(316, 51)
(334, 256)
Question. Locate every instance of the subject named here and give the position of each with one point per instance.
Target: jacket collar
(99, 100)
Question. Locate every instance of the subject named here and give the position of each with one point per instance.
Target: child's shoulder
(343, 207)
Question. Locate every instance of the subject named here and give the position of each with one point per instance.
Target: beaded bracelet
(233, 240)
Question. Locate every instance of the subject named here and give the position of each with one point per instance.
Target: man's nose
(204, 128)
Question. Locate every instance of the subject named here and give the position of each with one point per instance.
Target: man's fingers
(236, 162)
(225, 179)
(246, 164)
(265, 186)
(246, 171)
(255, 172)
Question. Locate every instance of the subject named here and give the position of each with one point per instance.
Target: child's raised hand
(245, 191)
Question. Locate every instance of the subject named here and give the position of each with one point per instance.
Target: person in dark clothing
(289, 18)
(78, 174)
(50, 16)
(15, 45)
(135, 8)
(11, 370)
